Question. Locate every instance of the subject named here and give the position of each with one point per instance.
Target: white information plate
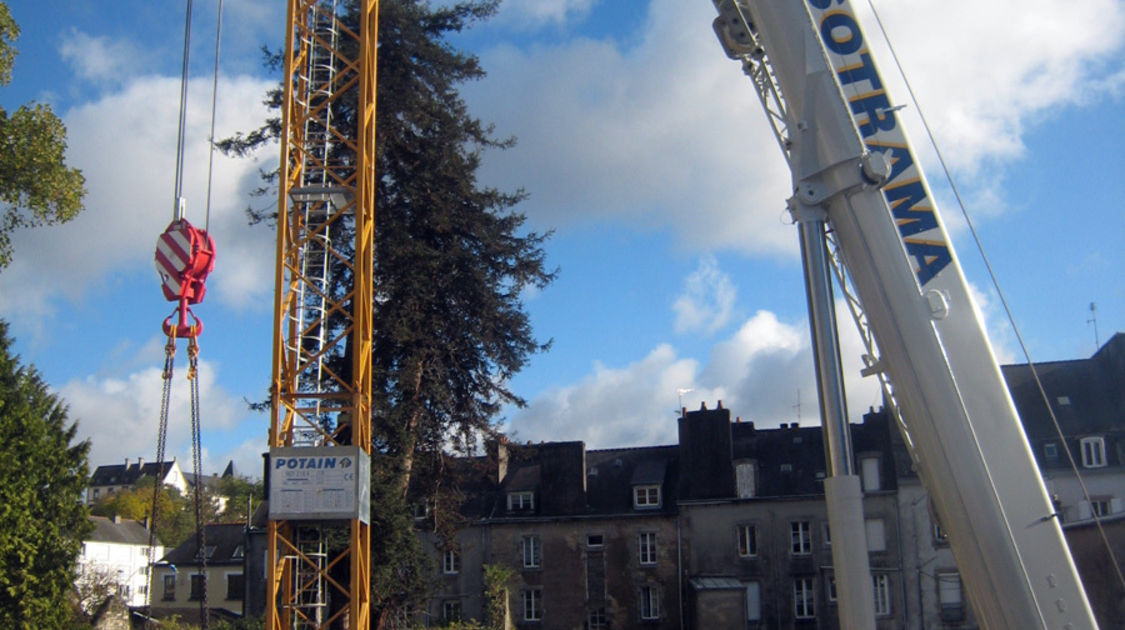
(320, 483)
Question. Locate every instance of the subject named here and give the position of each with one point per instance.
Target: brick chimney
(706, 454)
(562, 477)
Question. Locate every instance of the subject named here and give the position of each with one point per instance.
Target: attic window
(595, 540)
(1051, 450)
(521, 501)
(237, 552)
(210, 552)
(787, 468)
(647, 496)
(1063, 400)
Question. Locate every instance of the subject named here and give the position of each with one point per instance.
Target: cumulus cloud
(668, 133)
(124, 143)
(100, 59)
(120, 415)
(763, 373)
(531, 14)
(706, 300)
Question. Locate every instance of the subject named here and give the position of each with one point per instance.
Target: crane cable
(184, 257)
(1003, 302)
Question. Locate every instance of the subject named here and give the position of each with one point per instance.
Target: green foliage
(42, 480)
(241, 493)
(497, 577)
(175, 513)
(35, 184)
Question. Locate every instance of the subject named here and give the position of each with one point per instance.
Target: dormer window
(1093, 452)
(521, 501)
(210, 549)
(646, 497)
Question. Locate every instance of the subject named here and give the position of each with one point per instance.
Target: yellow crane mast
(321, 385)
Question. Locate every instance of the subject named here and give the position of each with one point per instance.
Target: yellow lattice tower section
(321, 387)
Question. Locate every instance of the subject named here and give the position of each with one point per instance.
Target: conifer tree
(42, 479)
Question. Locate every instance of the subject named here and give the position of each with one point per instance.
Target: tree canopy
(452, 260)
(36, 185)
(42, 480)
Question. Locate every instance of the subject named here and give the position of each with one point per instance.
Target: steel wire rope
(1000, 294)
(177, 209)
(214, 99)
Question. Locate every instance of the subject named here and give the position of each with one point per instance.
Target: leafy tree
(35, 184)
(42, 480)
(175, 514)
(451, 261)
(241, 493)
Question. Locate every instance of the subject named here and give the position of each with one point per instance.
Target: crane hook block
(184, 257)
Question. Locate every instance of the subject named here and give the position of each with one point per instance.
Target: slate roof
(226, 538)
(124, 532)
(128, 474)
(1086, 395)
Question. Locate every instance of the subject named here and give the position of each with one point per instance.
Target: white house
(115, 555)
(117, 477)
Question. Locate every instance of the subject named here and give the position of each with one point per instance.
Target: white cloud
(125, 143)
(100, 59)
(532, 14)
(707, 298)
(669, 134)
(120, 415)
(760, 373)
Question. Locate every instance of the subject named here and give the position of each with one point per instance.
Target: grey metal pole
(842, 490)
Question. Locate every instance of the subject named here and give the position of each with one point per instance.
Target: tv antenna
(1094, 320)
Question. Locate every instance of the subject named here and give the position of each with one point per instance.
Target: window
(421, 509)
(747, 541)
(198, 585)
(869, 474)
(237, 553)
(646, 496)
(521, 501)
(533, 604)
(882, 595)
(209, 549)
(646, 548)
(804, 599)
(830, 589)
(800, 538)
(753, 601)
(450, 562)
(1093, 452)
(1099, 507)
(451, 610)
(827, 533)
(597, 620)
(530, 550)
(235, 586)
(650, 602)
(1051, 450)
(97, 492)
(876, 534)
(949, 595)
(595, 541)
(744, 476)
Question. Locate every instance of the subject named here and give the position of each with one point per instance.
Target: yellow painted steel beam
(342, 160)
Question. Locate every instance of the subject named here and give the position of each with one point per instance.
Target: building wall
(711, 547)
(216, 588)
(123, 564)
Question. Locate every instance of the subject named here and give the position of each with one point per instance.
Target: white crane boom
(852, 163)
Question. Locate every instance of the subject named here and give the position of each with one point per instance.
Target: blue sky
(641, 145)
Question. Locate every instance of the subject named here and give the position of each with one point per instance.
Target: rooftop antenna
(798, 405)
(1094, 320)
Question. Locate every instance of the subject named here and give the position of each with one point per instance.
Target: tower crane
(320, 418)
